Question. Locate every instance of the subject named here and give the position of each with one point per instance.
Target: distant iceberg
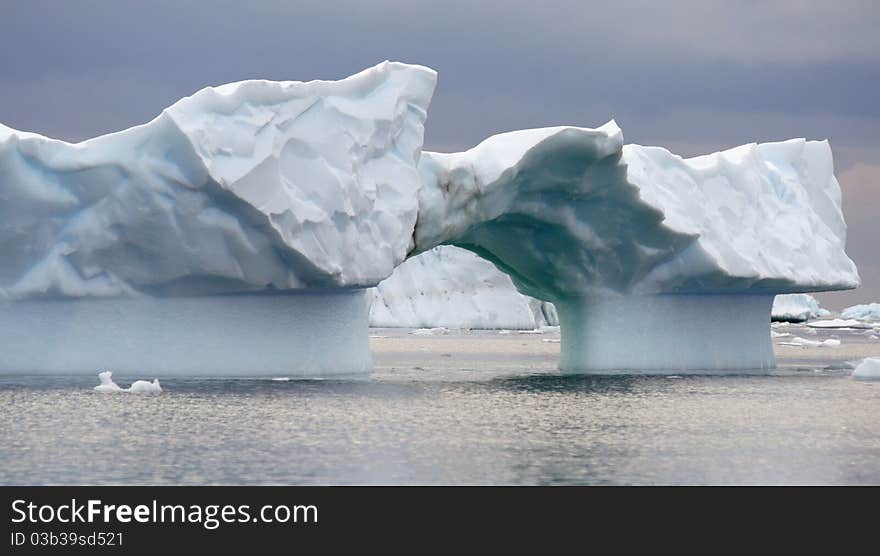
(137, 387)
(796, 307)
(454, 288)
(869, 312)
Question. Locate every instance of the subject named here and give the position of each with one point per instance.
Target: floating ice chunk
(868, 369)
(775, 334)
(430, 331)
(137, 387)
(107, 384)
(869, 312)
(550, 340)
(145, 387)
(796, 307)
(838, 323)
(803, 342)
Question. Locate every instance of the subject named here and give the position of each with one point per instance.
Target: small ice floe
(803, 342)
(868, 369)
(137, 387)
(504, 332)
(780, 334)
(550, 340)
(281, 379)
(535, 331)
(838, 323)
(874, 337)
(430, 331)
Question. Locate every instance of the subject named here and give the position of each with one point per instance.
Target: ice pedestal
(307, 333)
(666, 333)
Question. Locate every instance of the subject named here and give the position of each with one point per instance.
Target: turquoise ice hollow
(237, 232)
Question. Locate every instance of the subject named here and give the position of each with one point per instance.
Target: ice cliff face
(249, 186)
(572, 212)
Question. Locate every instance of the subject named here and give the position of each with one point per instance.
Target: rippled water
(447, 427)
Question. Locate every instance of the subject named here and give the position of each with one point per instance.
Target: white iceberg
(237, 232)
(796, 307)
(454, 288)
(231, 235)
(868, 369)
(652, 261)
(869, 312)
(137, 387)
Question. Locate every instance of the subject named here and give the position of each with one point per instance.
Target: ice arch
(654, 262)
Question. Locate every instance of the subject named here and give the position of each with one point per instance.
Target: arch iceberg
(235, 234)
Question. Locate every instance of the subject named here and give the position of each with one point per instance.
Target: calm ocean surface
(447, 426)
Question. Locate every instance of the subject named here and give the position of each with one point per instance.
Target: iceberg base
(308, 334)
(662, 333)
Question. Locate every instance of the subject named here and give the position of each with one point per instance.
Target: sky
(693, 77)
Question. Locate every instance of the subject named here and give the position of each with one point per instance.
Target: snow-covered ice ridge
(652, 261)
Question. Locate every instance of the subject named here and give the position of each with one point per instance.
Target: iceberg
(796, 307)
(240, 231)
(653, 262)
(453, 288)
(137, 387)
(233, 234)
(868, 312)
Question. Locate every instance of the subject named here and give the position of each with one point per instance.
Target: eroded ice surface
(247, 186)
(796, 307)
